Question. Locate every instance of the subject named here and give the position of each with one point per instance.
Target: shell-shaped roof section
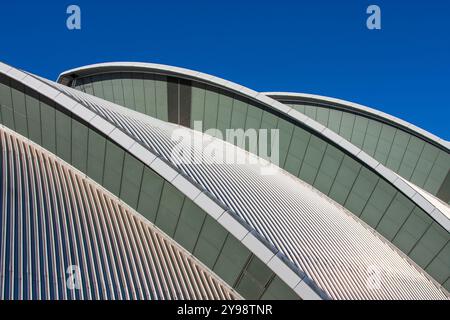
(314, 242)
(355, 107)
(92, 69)
(107, 232)
(320, 130)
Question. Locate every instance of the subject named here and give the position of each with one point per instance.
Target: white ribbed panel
(52, 216)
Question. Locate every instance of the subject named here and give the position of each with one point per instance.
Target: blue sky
(320, 46)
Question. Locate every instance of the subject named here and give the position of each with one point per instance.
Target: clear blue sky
(319, 46)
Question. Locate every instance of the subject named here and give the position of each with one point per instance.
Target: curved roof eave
(352, 106)
(271, 103)
(304, 287)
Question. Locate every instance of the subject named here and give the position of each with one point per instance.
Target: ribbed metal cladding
(54, 217)
(334, 248)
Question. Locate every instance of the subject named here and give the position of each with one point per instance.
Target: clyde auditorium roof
(99, 183)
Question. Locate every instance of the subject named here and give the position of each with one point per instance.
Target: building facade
(335, 222)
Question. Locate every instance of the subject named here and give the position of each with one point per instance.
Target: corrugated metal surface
(53, 217)
(335, 249)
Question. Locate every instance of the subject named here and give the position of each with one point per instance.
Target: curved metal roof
(355, 107)
(165, 69)
(311, 242)
(319, 129)
(118, 253)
